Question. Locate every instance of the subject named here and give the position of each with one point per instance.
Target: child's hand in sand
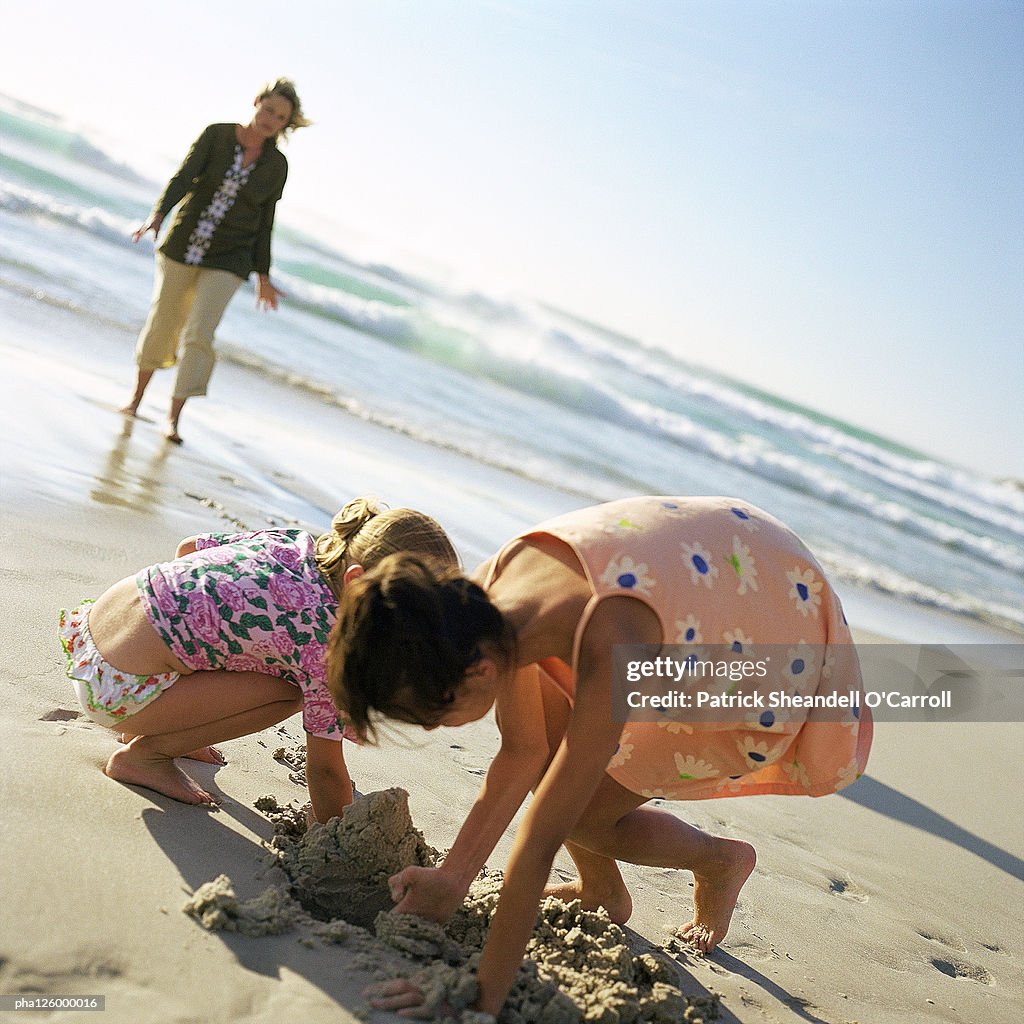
(408, 999)
(428, 892)
(402, 995)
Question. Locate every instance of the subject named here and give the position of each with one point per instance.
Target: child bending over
(534, 635)
(228, 639)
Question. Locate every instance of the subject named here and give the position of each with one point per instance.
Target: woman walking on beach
(228, 188)
(535, 635)
(228, 639)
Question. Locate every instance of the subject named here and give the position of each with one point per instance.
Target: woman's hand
(153, 224)
(427, 892)
(266, 294)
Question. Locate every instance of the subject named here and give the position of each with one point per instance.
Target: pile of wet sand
(579, 965)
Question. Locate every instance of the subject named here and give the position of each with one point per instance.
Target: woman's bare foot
(171, 434)
(131, 409)
(715, 892)
(140, 767)
(614, 898)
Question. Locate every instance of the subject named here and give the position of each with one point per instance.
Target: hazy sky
(825, 199)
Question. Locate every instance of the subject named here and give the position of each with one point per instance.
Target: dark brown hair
(407, 631)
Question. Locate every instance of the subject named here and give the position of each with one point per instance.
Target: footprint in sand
(942, 940)
(848, 889)
(957, 968)
(60, 715)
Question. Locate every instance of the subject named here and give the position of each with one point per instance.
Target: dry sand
(898, 901)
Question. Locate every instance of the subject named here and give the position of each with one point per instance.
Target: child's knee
(590, 832)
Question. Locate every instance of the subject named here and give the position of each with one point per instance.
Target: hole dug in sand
(578, 967)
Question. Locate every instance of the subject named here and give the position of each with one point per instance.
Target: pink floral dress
(250, 602)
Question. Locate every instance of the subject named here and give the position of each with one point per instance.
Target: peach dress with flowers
(722, 575)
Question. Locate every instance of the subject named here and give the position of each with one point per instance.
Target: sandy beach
(896, 901)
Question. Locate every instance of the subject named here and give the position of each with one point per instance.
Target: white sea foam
(757, 455)
(102, 223)
(371, 315)
(519, 386)
(844, 566)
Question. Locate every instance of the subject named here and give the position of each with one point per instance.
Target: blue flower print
(805, 591)
(688, 631)
(698, 559)
(629, 575)
(774, 720)
(801, 666)
(758, 753)
(737, 641)
(744, 518)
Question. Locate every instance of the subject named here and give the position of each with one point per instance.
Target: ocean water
(525, 388)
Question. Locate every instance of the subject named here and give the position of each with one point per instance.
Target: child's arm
(437, 893)
(568, 786)
(330, 787)
(191, 544)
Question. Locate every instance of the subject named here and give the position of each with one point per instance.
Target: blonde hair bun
(366, 531)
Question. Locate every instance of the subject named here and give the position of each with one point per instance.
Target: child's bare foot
(209, 755)
(131, 409)
(155, 771)
(614, 898)
(171, 434)
(715, 892)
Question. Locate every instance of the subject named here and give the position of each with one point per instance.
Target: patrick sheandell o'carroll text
(734, 671)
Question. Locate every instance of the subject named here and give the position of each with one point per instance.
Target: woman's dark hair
(407, 631)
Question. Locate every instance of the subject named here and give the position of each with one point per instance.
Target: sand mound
(217, 908)
(341, 869)
(579, 966)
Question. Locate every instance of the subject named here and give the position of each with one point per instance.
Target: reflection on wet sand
(131, 478)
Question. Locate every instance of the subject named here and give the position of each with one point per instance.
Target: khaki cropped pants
(188, 303)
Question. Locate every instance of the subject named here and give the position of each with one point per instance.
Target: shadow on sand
(883, 799)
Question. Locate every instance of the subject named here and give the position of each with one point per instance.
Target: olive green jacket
(241, 242)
